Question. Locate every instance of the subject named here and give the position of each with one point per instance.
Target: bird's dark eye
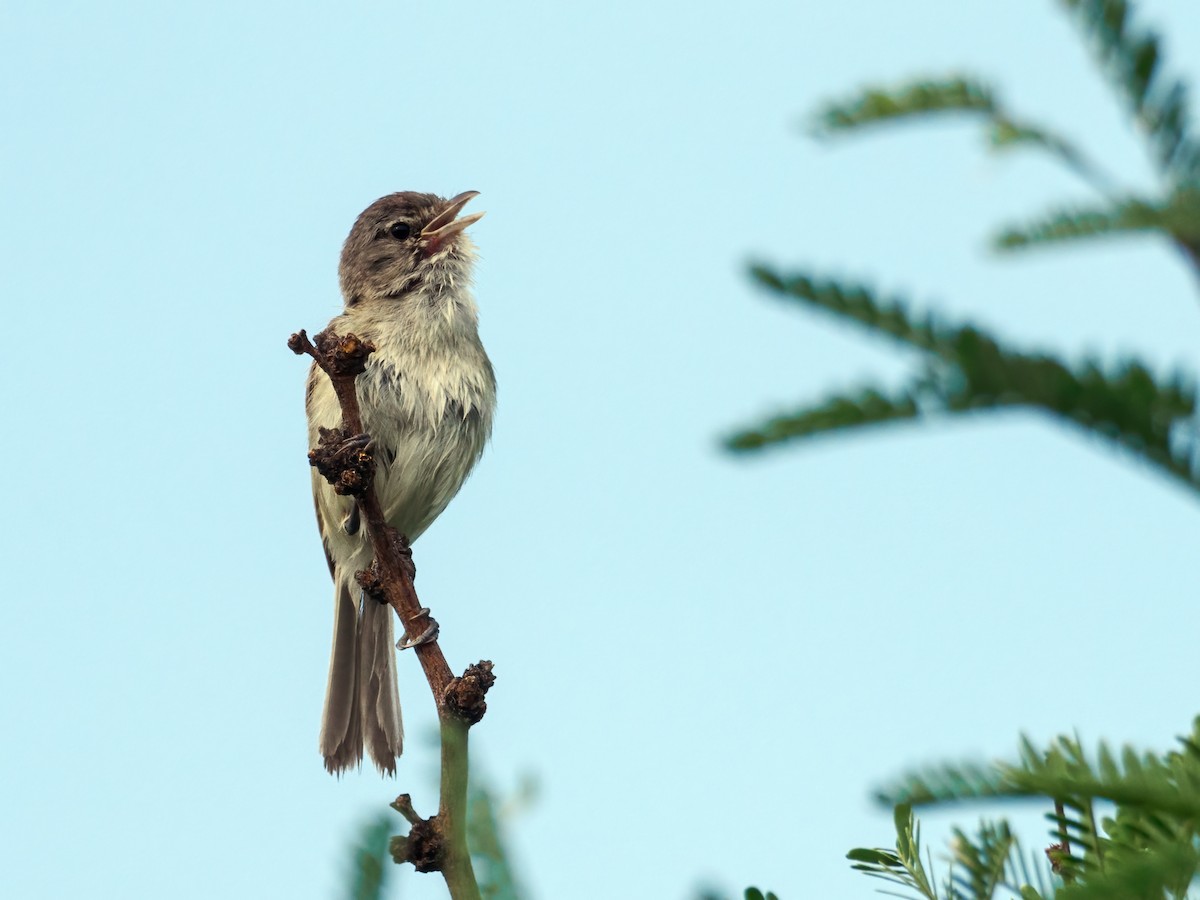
(400, 231)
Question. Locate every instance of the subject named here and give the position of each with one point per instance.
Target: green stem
(452, 813)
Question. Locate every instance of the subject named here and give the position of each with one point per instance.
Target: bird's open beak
(445, 224)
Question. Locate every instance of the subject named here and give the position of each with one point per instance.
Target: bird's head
(405, 244)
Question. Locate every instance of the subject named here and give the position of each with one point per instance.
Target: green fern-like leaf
(1124, 217)
(967, 370)
(485, 838)
(904, 866)
(986, 864)
(853, 302)
(1149, 848)
(867, 407)
(961, 94)
(991, 862)
(1137, 836)
(1168, 785)
(947, 783)
(1006, 133)
(917, 98)
(1163, 870)
(1179, 218)
(1131, 57)
(371, 861)
(1181, 215)
(983, 860)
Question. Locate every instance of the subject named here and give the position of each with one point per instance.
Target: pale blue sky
(707, 662)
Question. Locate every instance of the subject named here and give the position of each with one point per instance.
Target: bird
(427, 398)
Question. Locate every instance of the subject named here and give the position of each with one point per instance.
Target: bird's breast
(430, 419)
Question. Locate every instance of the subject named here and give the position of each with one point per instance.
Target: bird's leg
(428, 636)
(372, 581)
(429, 633)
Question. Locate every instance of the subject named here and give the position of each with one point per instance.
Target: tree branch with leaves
(1150, 845)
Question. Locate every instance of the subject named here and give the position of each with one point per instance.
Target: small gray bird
(427, 399)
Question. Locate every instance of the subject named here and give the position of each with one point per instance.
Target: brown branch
(344, 458)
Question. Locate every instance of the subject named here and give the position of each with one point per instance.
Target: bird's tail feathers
(362, 702)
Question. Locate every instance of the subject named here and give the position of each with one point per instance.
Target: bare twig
(344, 458)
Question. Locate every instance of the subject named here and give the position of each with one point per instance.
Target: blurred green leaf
(918, 98)
(1131, 58)
(868, 407)
(488, 851)
(370, 860)
(885, 858)
(967, 370)
(1178, 218)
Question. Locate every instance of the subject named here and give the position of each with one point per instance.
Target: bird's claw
(360, 442)
(428, 636)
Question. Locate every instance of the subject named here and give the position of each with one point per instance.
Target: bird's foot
(427, 636)
(344, 460)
